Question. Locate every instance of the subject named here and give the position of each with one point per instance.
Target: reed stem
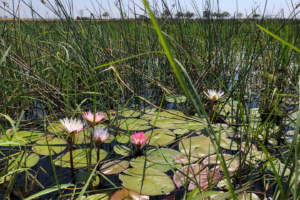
(211, 110)
(98, 156)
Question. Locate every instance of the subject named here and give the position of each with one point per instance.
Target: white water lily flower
(100, 135)
(72, 125)
(214, 95)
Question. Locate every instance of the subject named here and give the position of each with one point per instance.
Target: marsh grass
(51, 69)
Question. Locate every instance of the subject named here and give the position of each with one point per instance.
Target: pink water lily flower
(72, 126)
(139, 139)
(89, 116)
(101, 135)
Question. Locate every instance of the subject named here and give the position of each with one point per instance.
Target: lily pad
(149, 181)
(183, 159)
(23, 137)
(122, 138)
(110, 139)
(162, 156)
(228, 144)
(139, 162)
(161, 137)
(168, 123)
(41, 147)
(27, 160)
(114, 167)
(279, 168)
(212, 160)
(191, 125)
(178, 98)
(83, 176)
(122, 150)
(197, 147)
(129, 113)
(256, 156)
(181, 131)
(134, 124)
(79, 158)
(96, 197)
(128, 194)
(54, 129)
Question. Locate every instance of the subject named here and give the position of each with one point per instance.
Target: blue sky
(274, 7)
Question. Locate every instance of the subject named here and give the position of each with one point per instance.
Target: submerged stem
(98, 156)
(211, 110)
(71, 156)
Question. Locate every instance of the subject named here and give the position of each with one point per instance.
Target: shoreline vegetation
(163, 106)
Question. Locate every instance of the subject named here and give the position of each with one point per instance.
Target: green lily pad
(139, 162)
(191, 125)
(181, 131)
(228, 144)
(27, 160)
(110, 139)
(129, 113)
(149, 110)
(256, 156)
(134, 124)
(114, 167)
(168, 123)
(162, 156)
(164, 115)
(83, 176)
(183, 159)
(161, 137)
(23, 137)
(96, 197)
(41, 147)
(278, 167)
(149, 181)
(54, 129)
(178, 98)
(122, 150)
(125, 194)
(197, 147)
(122, 138)
(79, 158)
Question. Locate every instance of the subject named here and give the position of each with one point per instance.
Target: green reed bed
(149, 75)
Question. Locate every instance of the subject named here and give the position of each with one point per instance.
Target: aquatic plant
(138, 138)
(100, 136)
(71, 126)
(213, 95)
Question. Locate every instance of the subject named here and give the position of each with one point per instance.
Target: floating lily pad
(183, 159)
(139, 162)
(171, 116)
(161, 137)
(121, 149)
(212, 160)
(168, 123)
(54, 129)
(83, 176)
(122, 138)
(149, 181)
(134, 124)
(41, 146)
(256, 156)
(96, 197)
(23, 137)
(279, 168)
(181, 131)
(197, 147)
(162, 156)
(178, 98)
(110, 139)
(79, 158)
(149, 110)
(27, 160)
(128, 194)
(223, 184)
(129, 113)
(228, 144)
(247, 196)
(114, 167)
(191, 125)
(82, 137)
